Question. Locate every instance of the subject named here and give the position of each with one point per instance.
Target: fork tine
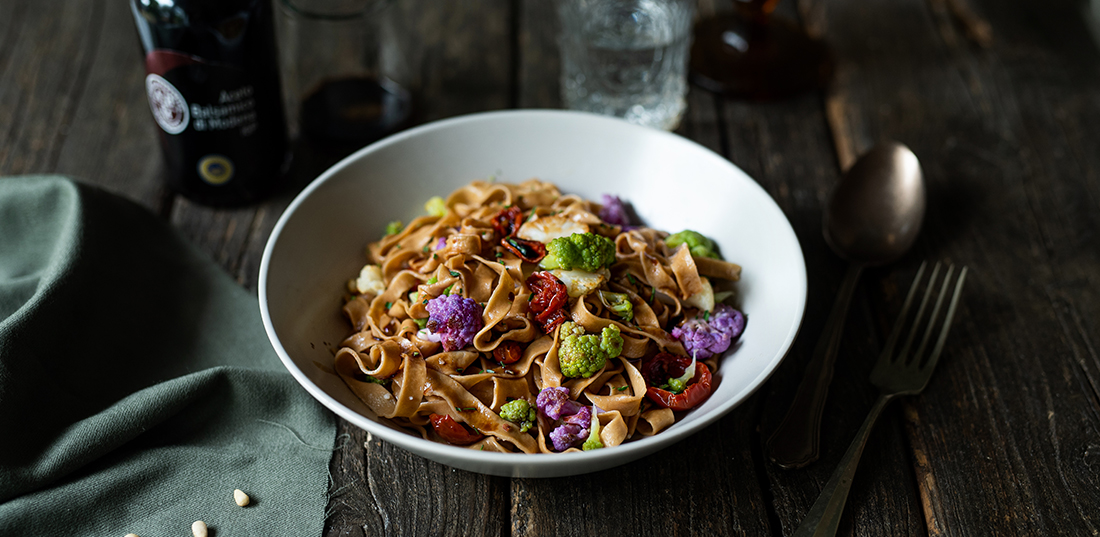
(895, 333)
(935, 356)
(935, 313)
(903, 355)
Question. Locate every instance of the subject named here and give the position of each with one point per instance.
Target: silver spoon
(873, 216)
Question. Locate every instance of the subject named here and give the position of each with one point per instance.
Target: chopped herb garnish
(455, 274)
(706, 315)
(631, 278)
(425, 301)
(435, 256)
(500, 255)
(653, 295)
(389, 305)
(482, 447)
(466, 409)
(622, 388)
(426, 249)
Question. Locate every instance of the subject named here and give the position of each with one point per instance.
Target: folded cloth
(137, 387)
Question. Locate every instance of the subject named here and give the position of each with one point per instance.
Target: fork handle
(824, 516)
(796, 441)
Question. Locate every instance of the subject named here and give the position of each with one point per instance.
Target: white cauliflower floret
(370, 281)
(580, 282)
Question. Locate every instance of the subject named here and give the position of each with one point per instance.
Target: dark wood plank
(539, 64)
(704, 485)
(786, 147)
(1007, 139)
(47, 54)
(111, 139)
(380, 489)
(73, 101)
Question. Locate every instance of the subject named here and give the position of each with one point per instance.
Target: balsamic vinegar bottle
(212, 78)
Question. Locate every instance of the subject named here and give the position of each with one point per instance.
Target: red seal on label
(167, 104)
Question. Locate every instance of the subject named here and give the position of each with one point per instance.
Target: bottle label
(167, 103)
(235, 109)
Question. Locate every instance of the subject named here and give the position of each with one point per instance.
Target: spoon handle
(795, 443)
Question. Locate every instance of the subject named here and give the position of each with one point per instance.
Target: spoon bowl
(875, 212)
(872, 218)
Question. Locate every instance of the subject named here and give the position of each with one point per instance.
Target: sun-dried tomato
(663, 366)
(529, 251)
(554, 319)
(452, 431)
(507, 221)
(549, 297)
(507, 352)
(660, 368)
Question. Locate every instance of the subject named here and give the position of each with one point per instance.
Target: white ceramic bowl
(673, 184)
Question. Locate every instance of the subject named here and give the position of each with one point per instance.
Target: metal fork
(896, 373)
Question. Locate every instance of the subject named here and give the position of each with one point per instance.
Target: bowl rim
(534, 463)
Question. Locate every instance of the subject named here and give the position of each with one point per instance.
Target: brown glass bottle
(212, 81)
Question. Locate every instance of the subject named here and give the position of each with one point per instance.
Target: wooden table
(1000, 101)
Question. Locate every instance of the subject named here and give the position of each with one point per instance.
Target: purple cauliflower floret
(573, 420)
(455, 320)
(554, 403)
(614, 211)
(712, 333)
(573, 430)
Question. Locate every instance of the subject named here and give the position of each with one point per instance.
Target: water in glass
(626, 58)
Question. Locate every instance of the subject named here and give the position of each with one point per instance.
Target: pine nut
(240, 497)
(198, 529)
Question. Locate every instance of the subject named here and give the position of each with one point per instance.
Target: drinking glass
(626, 58)
(337, 85)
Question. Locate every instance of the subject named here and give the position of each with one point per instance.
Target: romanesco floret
(712, 332)
(455, 319)
(618, 303)
(593, 441)
(582, 251)
(679, 384)
(581, 354)
(521, 413)
(436, 206)
(698, 244)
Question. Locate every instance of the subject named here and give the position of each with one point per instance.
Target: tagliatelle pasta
(517, 319)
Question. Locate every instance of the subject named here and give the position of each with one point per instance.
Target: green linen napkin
(137, 386)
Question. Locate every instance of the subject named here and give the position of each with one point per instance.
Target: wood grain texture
(1006, 439)
(1012, 194)
(74, 102)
